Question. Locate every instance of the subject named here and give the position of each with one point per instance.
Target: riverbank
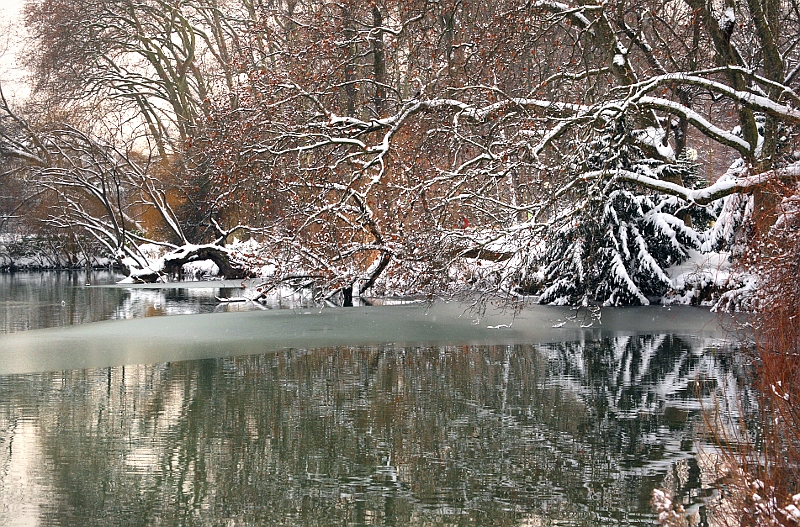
(703, 279)
(31, 253)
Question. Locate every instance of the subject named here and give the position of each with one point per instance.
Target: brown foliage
(763, 465)
(775, 256)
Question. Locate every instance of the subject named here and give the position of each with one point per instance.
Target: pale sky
(10, 35)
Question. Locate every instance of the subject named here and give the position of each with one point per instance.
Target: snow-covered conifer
(615, 250)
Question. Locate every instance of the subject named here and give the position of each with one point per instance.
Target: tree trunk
(378, 60)
(173, 263)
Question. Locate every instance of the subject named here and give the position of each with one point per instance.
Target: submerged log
(233, 300)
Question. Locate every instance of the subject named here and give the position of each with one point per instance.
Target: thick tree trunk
(173, 264)
(379, 60)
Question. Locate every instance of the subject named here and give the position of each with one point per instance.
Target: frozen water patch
(163, 339)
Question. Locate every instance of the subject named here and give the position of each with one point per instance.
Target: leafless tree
(396, 146)
(485, 131)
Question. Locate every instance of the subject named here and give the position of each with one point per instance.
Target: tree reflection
(55, 299)
(575, 433)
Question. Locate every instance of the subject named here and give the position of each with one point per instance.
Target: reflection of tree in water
(55, 299)
(578, 433)
(652, 395)
(175, 301)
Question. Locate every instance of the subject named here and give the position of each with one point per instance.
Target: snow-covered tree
(394, 144)
(615, 249)
(560, 134)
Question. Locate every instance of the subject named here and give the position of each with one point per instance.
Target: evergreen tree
(616, 249)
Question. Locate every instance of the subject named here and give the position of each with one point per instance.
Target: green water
(409, 415)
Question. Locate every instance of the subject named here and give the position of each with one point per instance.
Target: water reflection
(58, 299)
(567, 434)
(36, 300)
(150, 302)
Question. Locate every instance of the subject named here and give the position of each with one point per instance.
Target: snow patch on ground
(200, 270)
(700, 280)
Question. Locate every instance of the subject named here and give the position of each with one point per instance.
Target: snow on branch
(698, 121)
(735, 180)
(752, 100)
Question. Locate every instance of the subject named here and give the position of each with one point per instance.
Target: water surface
(398, 415)
(58, 299)
(552, 434)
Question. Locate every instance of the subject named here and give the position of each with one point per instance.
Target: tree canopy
(573, 151)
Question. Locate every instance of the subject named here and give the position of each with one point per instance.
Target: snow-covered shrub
(731, 214)
(700, 280)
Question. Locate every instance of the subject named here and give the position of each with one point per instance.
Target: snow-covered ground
(699, 280)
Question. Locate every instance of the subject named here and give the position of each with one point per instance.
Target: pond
(392, 415)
